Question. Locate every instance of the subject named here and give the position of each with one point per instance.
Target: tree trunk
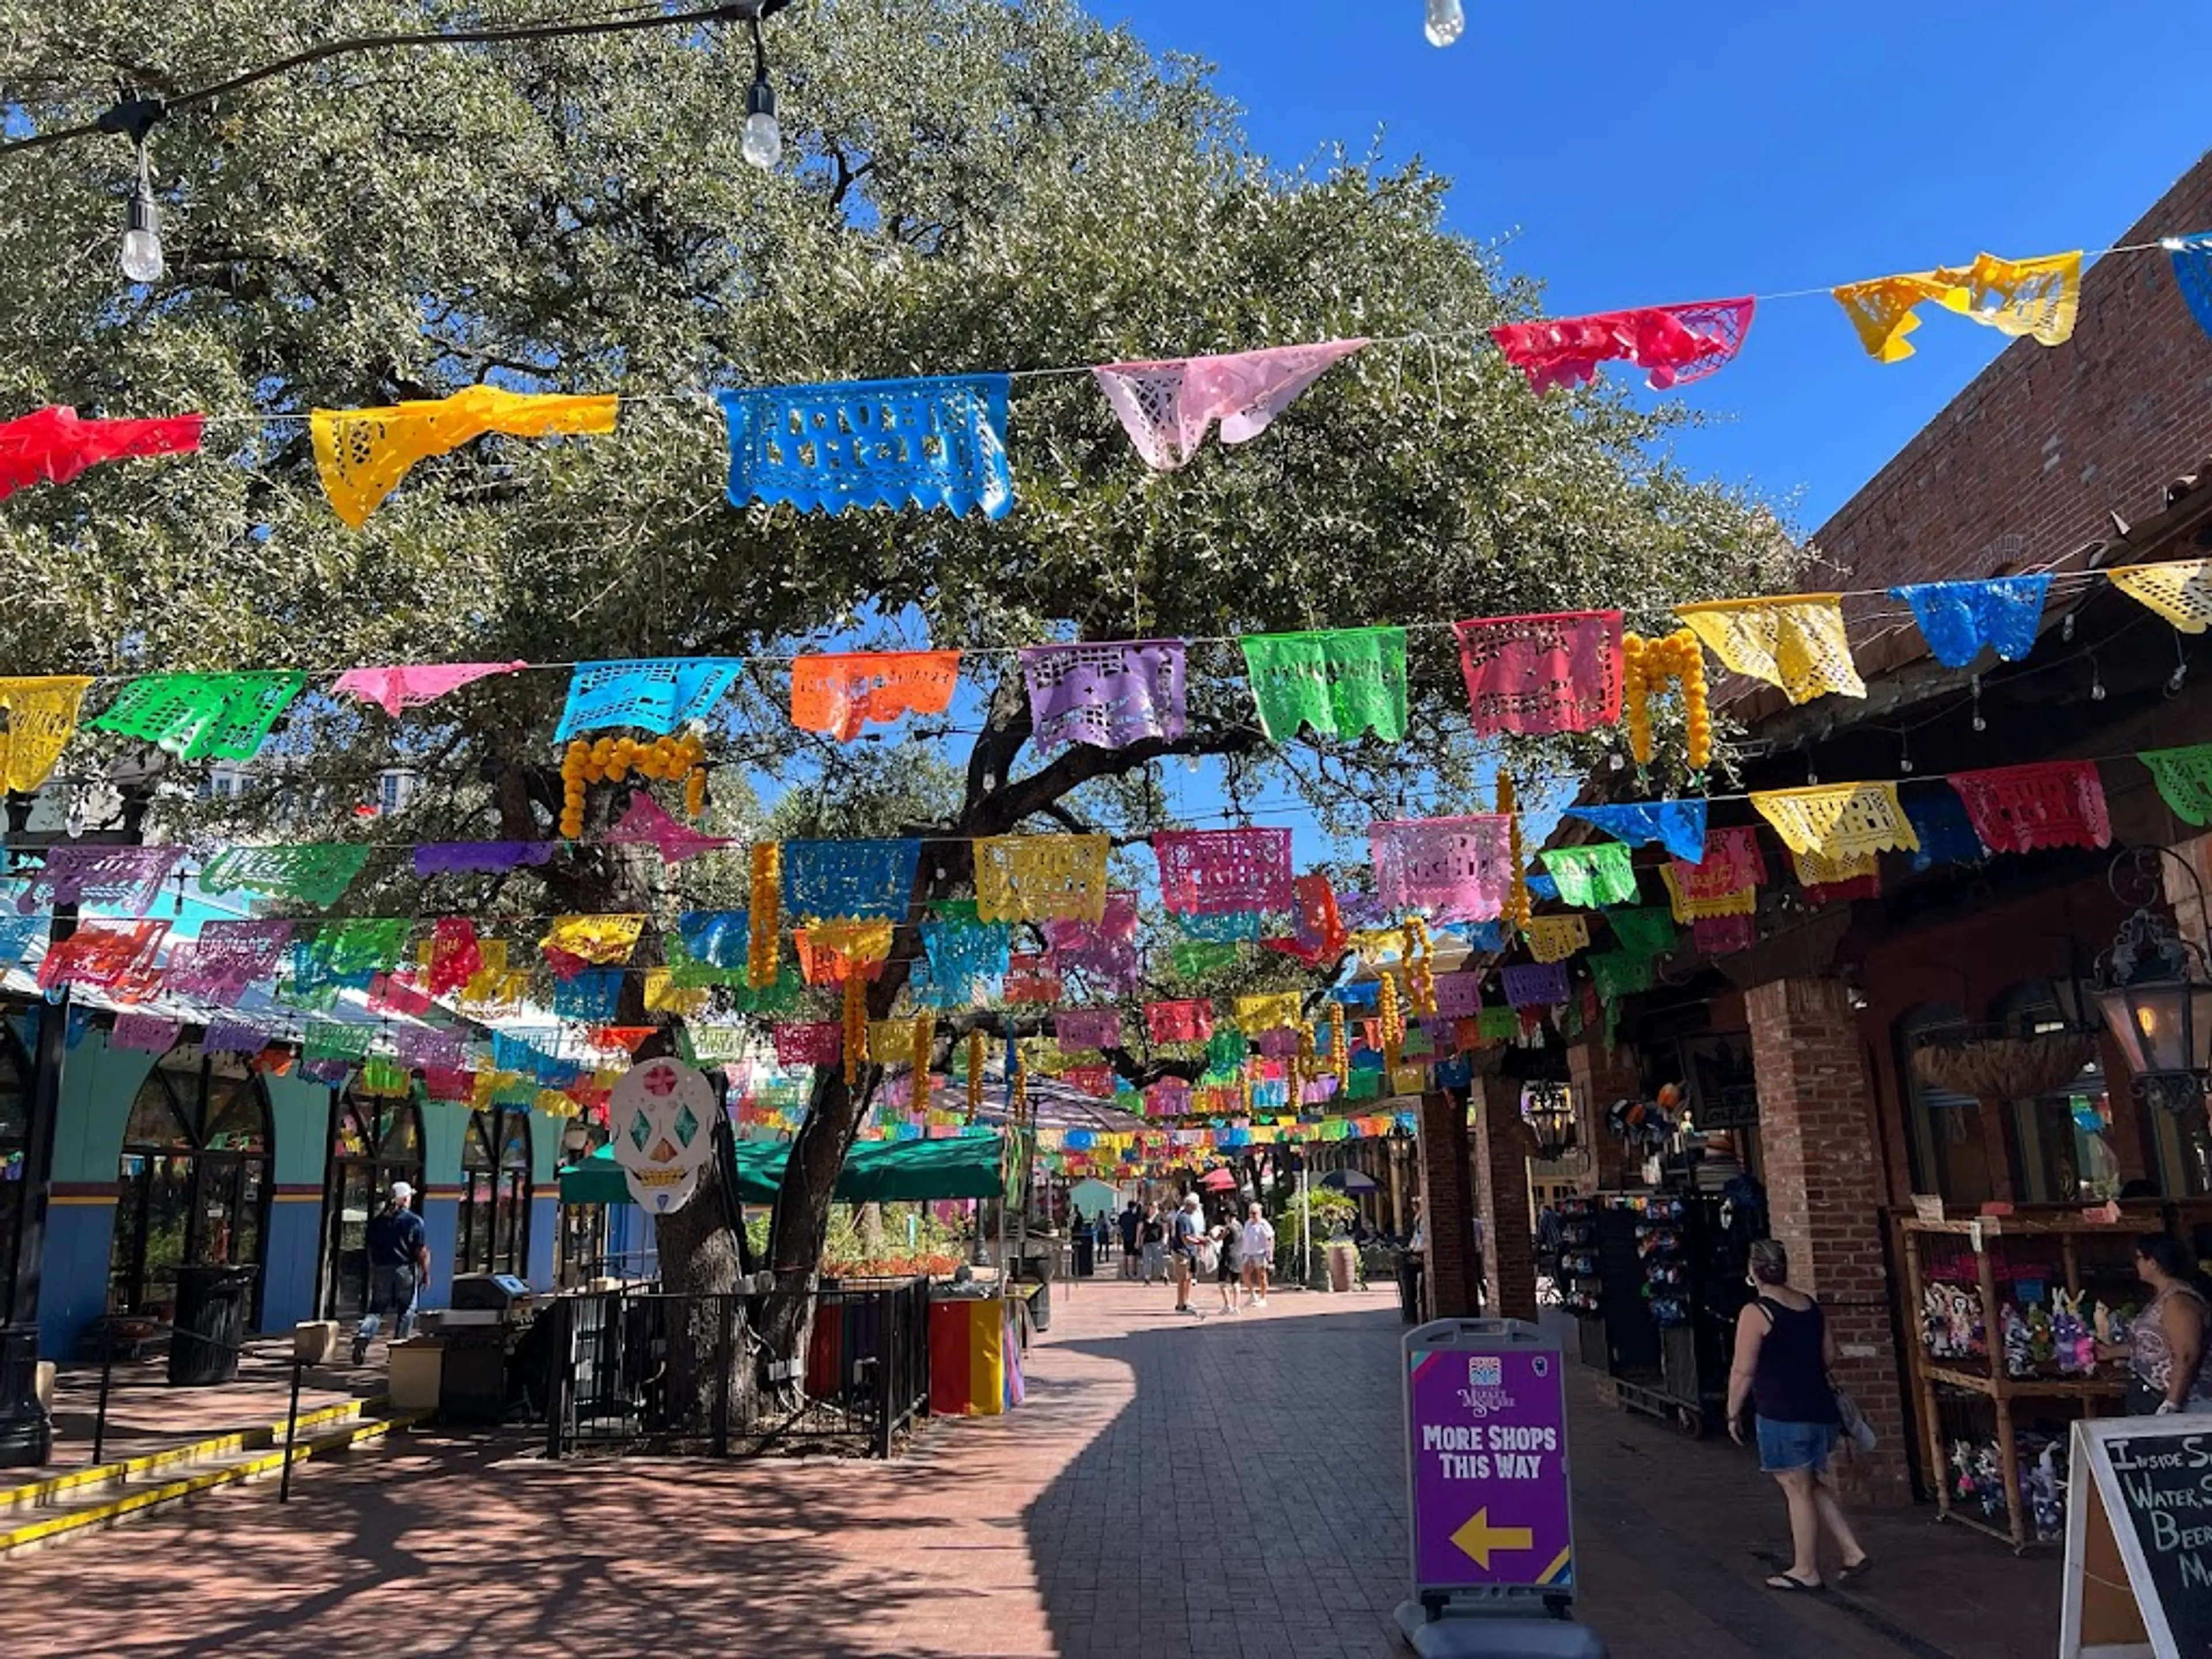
(701, 1257)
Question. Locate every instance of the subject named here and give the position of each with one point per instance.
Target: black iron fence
(643, 1372)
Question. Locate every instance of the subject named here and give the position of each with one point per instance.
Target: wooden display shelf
(2066, 1230)
(2057, 1388)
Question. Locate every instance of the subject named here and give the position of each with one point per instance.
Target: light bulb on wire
(1446, 21)
(761, 139)
(134, 117)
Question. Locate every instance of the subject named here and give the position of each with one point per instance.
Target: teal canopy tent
(876, 1172)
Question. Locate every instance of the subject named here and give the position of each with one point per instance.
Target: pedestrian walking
(398, 1263)
(1227, 1238)
(1131, 1220)
(1255, 1255)
(1784, 1351)
(2165, 1344)
(1152, 1241)
(1187, 1244)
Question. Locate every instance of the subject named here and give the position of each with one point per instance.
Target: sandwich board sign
(2139, 1539)
(1486, 1466)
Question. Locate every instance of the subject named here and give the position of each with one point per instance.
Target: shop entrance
(494, 1235)
(376, 1143)
(192, 1181)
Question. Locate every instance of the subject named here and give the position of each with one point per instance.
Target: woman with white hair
(1256, 1253)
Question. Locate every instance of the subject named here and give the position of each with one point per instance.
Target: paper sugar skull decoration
(662, 1114)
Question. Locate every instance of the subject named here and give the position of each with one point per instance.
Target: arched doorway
(14, 1132)
(374, 1143)
(192, 1180)
(494, 1235)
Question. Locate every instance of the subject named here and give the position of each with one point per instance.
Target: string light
(762, 139)
(134, 118)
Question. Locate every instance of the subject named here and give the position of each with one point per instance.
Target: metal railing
(648, 1372)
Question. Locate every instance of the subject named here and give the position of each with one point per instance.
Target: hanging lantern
(1547, 1107)
(2156, 998)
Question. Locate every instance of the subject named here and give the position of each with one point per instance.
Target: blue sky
(1640, 153)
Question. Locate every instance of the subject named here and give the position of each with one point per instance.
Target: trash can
(1086, 1257)
(1343, 1264)
(209, 1324)
(1037, 1270)
(1411, 1265)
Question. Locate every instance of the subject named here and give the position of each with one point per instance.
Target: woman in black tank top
(1783, 1353)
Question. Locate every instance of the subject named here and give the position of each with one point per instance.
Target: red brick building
(2077, 458)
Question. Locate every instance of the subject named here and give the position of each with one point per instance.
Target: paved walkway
(1229, 1490)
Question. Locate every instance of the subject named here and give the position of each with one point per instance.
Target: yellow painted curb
(207, 1480)
(221, 1445)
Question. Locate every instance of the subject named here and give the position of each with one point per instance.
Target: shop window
(374, 1143)
(192, 1180)
(1947, 1155)
(2066, 1154)
(494, 1231)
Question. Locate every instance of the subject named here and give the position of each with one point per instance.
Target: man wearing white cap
(398, 1263)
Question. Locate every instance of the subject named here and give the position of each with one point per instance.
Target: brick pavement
(1229, 1489)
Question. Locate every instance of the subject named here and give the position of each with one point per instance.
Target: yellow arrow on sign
(1478, 1538)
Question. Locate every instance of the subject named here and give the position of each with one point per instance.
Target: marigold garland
(1018, 1103)
(762, 919)
(856, 1027)
(1340, 1042)
(975, 1075)
(1420, 961)
(1518, 909)
(1393, 1021)
(610, 760)
(1649, 665)
(925, 1039)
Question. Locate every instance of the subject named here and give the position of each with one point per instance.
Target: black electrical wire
(731, 11)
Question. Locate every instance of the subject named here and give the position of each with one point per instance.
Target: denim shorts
(1786, 1446)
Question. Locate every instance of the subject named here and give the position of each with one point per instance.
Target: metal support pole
(99, 1416)
(291, 1422)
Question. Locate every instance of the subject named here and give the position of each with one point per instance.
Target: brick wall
(1449, 1208)
(1501, 1168)
(2021, 468)
(1600, 1076)
(1824, 1185)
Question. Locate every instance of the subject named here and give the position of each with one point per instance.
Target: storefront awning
(876, 1172)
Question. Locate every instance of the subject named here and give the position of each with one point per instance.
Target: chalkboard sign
(2139, 1539)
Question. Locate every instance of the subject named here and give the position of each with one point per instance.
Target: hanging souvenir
(363, 454)
(1676, 344)
(1108, 695)
(2035, 297)
(1961, 620)
(660, 1119)
(1168, 406)
(1340, 682)
(930, 442)
(1797, 642)
(840, 694)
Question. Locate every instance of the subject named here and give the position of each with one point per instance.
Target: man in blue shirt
(398, 1263)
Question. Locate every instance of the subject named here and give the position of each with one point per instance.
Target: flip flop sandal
(1786, 1583)
(1858, 1570)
